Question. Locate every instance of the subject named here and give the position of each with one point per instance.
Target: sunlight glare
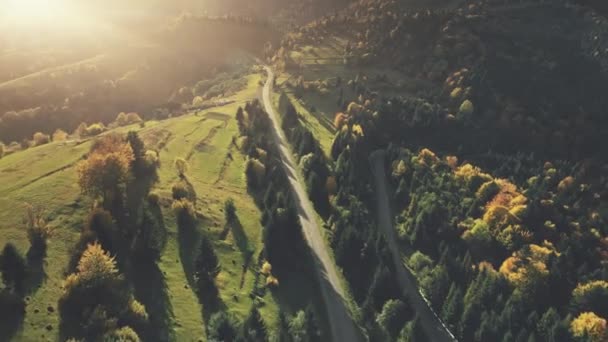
(34, 12)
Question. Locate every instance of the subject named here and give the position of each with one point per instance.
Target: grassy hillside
(45, 176)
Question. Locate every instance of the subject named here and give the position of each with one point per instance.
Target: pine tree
(254, 328)
(312, 326)
(452, 307)
(283, 334)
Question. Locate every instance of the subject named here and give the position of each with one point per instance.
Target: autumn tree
(105, 172)
(38, 230)
(589, 325)
(181, 166)
(97, 296)
(60, 135)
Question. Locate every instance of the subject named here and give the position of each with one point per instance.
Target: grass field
(46, 176)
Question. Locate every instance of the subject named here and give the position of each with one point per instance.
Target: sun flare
(32, 12)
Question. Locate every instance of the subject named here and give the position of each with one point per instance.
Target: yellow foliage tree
(41, 138)
(591, 325)
(106, 169)
(358, 130)
(60, 135)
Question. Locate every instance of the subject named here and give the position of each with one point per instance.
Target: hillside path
(432, 325)
(343, 328)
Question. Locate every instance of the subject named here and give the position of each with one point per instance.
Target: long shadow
(150, 289)
(36, 273)
(12, 312)
(299, 288)
(210, 304)
(242, 242)
(188, 238)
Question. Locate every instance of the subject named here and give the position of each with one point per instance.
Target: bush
(184, 211)
(38, 231)
(133, 118)
(181, 165)
(180, 191)
(60, 135)
(94, 129)
(124, 334)
(154, 198)
(222, 326)
(41, 139)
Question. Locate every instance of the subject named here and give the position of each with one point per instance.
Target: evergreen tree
(394, 313)
(452, 307)
(254, 328)
(283, 334)
(412, 332)
(222, 327)
(312, 326)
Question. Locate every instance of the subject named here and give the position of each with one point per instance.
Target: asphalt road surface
(434, 328)
(343, 328)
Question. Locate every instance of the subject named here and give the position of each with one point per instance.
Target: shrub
(41, 139)
(266, 268)
(124, 334)
(121, 119)
(466, 109)
(181, 165)
(198, 102)
(184, 209)
(133, 118)
(181, 190)
(38, 231)
(151, 160)
(60, 135)
(154, 198)
(94, 129)
(81, 130)
(222, 326)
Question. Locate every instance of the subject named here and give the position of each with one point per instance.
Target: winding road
(432, 325)
(343, 328)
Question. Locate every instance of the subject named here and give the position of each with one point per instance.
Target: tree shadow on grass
(211, 303)
(12, 313)
(241, 240)
(151, 290)
(35, 269)
(188, 238)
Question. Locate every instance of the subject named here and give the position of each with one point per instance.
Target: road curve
(343, 328)
(434, 328)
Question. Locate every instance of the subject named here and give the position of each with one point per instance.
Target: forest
(382, 170)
